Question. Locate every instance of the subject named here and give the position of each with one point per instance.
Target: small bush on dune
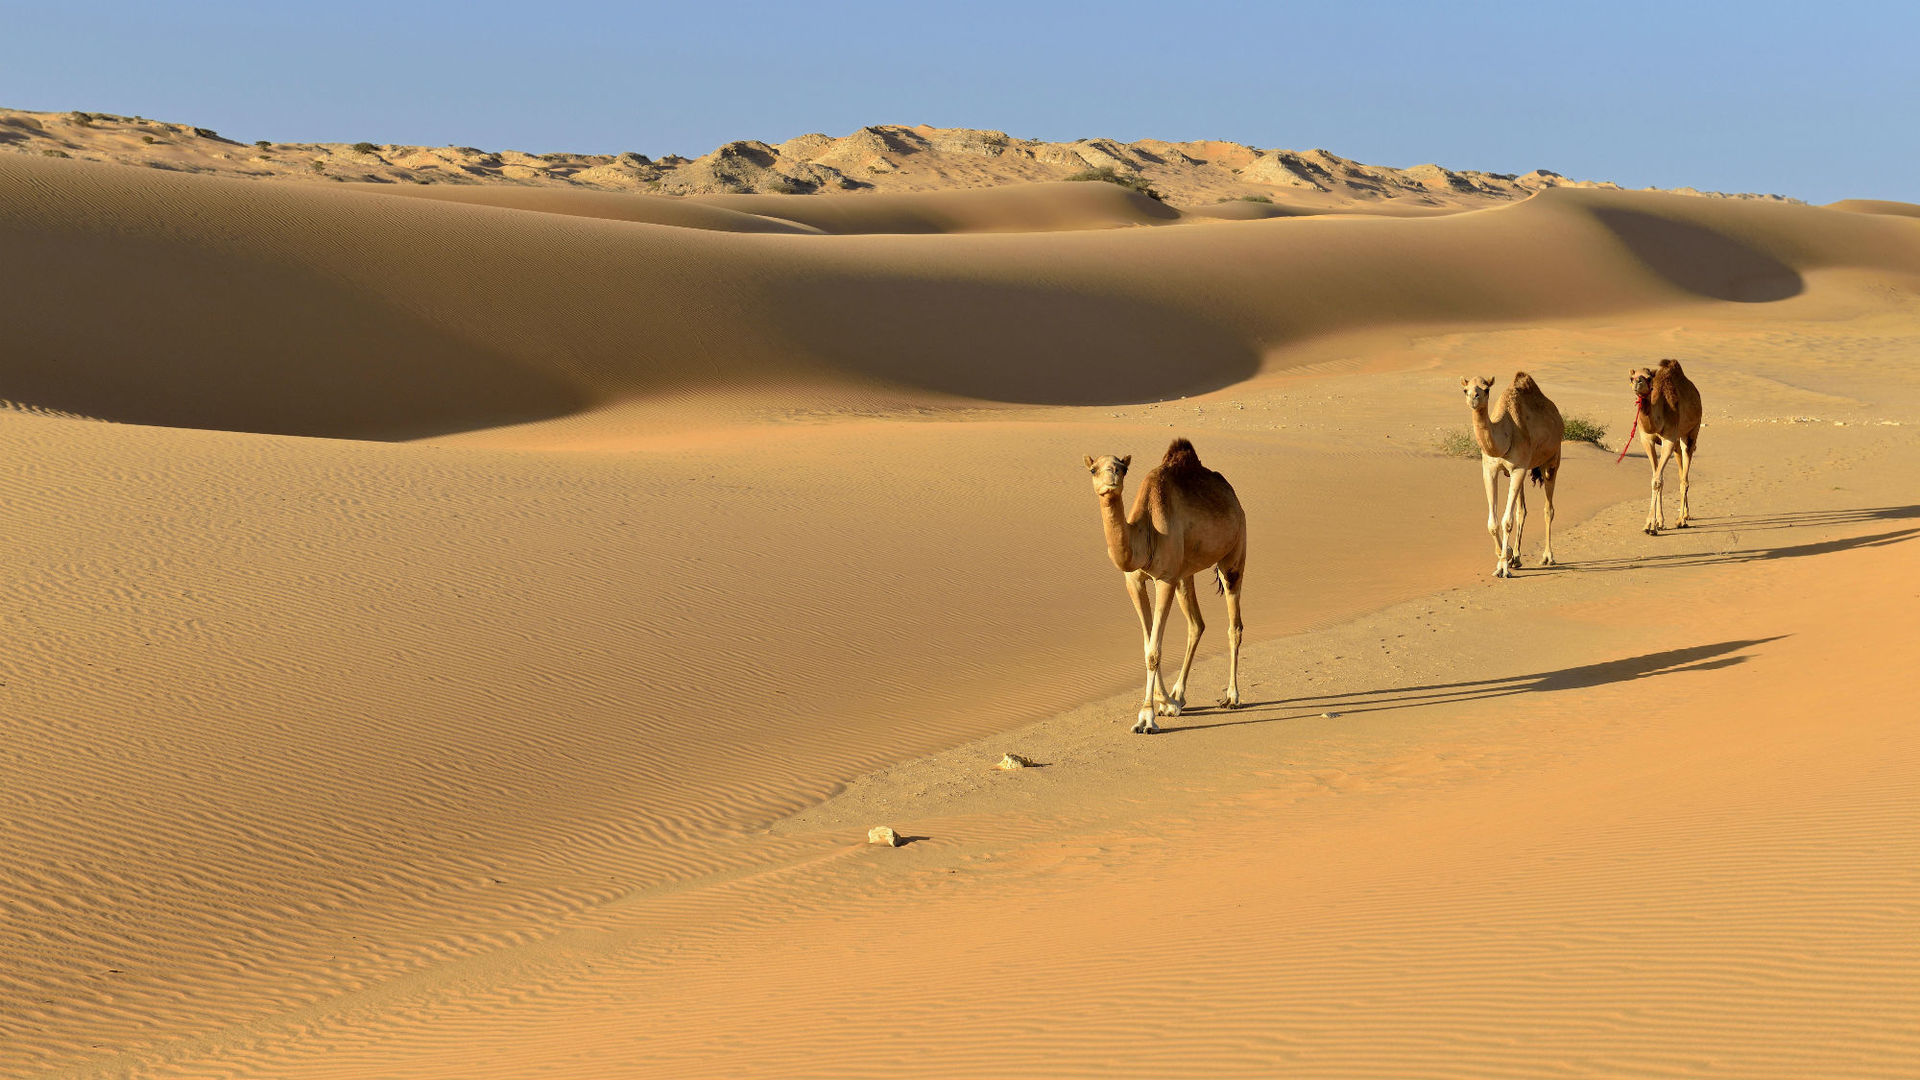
(1457, 443)
(1581, 429)
(1255, 198)
(1130, 181)
(262, 143)
(365, 148)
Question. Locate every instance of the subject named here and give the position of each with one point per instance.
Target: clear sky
(1818, 101)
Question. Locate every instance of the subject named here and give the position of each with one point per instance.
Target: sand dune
(531, 723)
(885, 158)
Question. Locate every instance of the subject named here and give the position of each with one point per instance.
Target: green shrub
(81, 119)
(262, 143)
(1457, 443)
(56, 153)
(1130, 181)
(319, 165)
(1581, 429)
(365, 148)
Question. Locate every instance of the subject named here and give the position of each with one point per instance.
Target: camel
(1522, 441)
(1186, 519)
(1666, 408)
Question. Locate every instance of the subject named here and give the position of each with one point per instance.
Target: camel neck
(1492, 436)
(1123, 547)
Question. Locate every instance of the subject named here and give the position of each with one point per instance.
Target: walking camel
(1522, 440)
(1185, 519)
(1666, 407)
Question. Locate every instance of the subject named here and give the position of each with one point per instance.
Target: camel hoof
(1145, 724)
(1683, 525)
(1231, 701)
(1170, 707)
(1651, 531)
(1546, 560)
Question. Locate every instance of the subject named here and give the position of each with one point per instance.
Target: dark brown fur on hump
(1180, 455)
(1197, 484)
(1667, 380)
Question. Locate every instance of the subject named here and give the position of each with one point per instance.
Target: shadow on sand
(1729, 558)
(1671, 662)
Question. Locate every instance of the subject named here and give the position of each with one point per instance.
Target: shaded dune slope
(214, 303)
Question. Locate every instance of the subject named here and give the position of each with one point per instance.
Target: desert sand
(470, 632)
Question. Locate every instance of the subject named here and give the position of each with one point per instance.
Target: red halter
(1639, 402)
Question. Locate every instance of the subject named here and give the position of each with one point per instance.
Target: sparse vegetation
(1130, 181)
(262, 143)
(206, 133)
(1255, 198)
(1457, 443)
(365, 148)
(318, 165)
(1581, 429)
(148, 139)
(56, 153)
(81, 119)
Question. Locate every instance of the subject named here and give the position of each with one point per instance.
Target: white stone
(880, 834)
(1014, 761)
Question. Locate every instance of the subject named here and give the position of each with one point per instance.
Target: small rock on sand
(1014, 761)
(880, 834)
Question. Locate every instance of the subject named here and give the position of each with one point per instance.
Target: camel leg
(1549, 477)
(1519, 484)
(1490, 474)
(1190, 607)
(1686, 466)
(1516, 490)
(1652, 445)
(1232, 700)
(1162, 604)
(1140, 589)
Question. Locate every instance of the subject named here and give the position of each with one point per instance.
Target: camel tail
(1693, 440)
(1219, 581)
(1538, 474)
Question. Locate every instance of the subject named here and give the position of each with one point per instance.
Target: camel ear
(1464, 381)
(1088, 458)
(1488, 380)
(1126, 461)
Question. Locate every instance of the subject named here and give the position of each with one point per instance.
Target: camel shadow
(1730, 558)
(1801, 519)
(1714, 657)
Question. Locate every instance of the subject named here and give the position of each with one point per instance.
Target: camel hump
(1523, 383)
(1180, 455)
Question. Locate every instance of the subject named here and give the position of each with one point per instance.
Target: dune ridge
(882, 158)
(390, 318)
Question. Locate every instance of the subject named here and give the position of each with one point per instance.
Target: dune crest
(879, 158)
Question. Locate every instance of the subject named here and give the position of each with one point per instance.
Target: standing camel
(1522, 440)
(1186, 519)
(1666, 407)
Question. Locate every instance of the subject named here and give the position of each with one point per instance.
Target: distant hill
(884, 158)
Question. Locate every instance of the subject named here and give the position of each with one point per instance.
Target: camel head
(1109, 472)
(1477, 391)
(1641, 380)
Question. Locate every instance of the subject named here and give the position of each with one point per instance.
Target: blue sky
(1814, 101)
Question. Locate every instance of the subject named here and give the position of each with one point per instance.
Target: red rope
(1638, 404)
